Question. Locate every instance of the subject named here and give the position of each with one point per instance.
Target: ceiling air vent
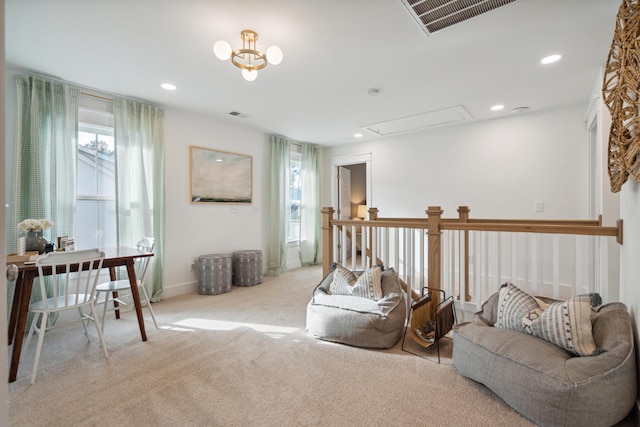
(434, 15)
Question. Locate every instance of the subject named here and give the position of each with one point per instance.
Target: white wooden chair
(112, 288)
(70, 290)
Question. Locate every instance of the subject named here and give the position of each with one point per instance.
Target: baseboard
(180, 289)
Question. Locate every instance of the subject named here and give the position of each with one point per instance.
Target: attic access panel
(435, 15)
(420, 121)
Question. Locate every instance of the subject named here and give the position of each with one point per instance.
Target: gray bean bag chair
(357, 321)
(545, 382)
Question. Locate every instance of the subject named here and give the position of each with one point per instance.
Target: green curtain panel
(45, 156)
(44, 160)
(140, 182)
(279, 207)
(309, 201)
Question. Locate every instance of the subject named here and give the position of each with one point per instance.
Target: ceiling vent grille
(435, 15)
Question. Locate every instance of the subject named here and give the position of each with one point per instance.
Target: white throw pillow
(368, 285)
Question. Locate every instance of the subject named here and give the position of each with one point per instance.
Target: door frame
(347, 160)
(601, 201)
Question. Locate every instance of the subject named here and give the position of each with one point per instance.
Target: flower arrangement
(34, 225)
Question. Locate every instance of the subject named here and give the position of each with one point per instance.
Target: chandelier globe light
(248, 59)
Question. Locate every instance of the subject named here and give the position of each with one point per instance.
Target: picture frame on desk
(66, 244)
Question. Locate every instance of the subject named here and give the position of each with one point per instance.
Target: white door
(344, 195)
(344, 202)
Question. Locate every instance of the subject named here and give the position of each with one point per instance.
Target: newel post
(434, 215)
(373, 259)
(373, 214)
(327, 239)
(463, 217)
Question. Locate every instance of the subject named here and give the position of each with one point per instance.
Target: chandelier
(248, 59)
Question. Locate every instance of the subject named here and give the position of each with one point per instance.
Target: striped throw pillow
(368, 285)
(513, 305)
(566, 324)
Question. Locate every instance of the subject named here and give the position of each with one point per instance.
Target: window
(96, 189)
(295, 164)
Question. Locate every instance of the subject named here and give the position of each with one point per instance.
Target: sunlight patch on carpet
(226, 325)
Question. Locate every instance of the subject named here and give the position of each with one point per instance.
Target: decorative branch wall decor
(621, 92)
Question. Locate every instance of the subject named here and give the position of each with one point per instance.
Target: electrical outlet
(192, 265)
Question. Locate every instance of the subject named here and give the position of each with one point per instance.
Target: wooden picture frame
(219, 176)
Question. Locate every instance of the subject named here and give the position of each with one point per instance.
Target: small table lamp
(362, 211)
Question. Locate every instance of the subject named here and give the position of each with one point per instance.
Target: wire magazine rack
(431, 317)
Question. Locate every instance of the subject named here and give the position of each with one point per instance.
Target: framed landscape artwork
(219, 176)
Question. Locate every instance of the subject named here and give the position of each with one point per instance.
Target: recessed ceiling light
(168, 86)
(497, 107)
(357, 135)
(550, 59)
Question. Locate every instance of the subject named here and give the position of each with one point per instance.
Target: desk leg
(131, 272)
(112, 276)
(27, 284)
(17, 292)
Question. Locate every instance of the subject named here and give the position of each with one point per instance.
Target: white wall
(198, 229)
(630, 250)
(499, 168)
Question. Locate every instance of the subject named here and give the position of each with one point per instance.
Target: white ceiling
(334, 52)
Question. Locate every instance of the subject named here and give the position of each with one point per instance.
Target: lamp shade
(362, 211)
(274, 55)
(249, 75)
(222, 49)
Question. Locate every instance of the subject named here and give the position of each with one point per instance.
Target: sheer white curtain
(280, 209)
(310, 205)
(140, 189)
(279, 206)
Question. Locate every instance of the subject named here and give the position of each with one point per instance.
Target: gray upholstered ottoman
(214, 274)
(247, 267)
(357, 321)
(543, 381)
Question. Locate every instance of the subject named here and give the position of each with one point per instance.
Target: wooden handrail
(379, 223)
(592, 222)
(524, 227)
(423, 223)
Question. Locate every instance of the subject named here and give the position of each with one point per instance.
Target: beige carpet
(241, 358)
